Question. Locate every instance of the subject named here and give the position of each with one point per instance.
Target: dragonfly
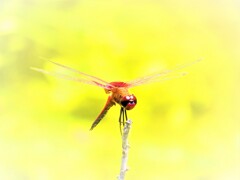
(118, 91)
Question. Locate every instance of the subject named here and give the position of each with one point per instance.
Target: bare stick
(125, 147)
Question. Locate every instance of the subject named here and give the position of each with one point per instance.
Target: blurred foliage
(186, 128)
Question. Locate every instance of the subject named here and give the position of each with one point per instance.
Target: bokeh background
(183, 129)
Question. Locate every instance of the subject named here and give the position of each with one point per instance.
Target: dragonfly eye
(129, 102)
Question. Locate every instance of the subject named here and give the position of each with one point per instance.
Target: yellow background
(183, 129)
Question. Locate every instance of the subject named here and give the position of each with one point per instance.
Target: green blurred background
(183, 129)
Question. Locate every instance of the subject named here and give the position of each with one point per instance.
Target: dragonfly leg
(126, 118)
(120, 120)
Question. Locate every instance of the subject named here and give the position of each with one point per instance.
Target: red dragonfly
(118, 90)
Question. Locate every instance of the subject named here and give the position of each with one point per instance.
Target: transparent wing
(83, 78)
(162, 76)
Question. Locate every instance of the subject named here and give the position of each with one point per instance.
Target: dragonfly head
(129, 102)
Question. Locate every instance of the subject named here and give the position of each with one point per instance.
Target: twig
(125, 147)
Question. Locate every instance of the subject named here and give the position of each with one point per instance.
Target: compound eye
(129, 102)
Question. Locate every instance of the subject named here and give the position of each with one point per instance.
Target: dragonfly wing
(83, 78)
(78, 72)
(162, 76)
(107, 106)
(158, 77)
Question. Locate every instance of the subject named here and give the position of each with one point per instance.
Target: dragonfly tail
(107, 106)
